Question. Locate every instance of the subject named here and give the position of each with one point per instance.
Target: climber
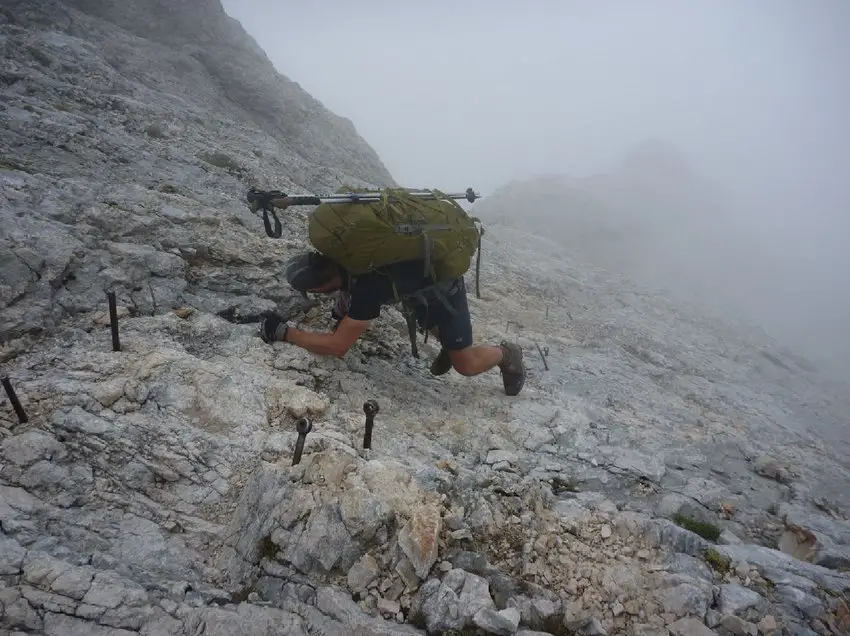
(442, 310)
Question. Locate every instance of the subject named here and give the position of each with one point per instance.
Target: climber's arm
(336, 343)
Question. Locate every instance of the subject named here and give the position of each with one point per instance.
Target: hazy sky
(476, 93)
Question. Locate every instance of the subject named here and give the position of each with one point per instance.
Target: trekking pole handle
(275, 198)
(268, 200)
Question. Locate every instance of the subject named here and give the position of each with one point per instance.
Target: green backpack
(363, 237)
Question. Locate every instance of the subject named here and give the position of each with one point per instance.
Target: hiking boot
(442, 364)
(513, 373)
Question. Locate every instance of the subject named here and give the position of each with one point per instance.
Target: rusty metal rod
(370, 408)
(13, 398)
(113, 321)
(303, 426)
(542, 355)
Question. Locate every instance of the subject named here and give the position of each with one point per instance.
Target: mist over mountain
(654, 218)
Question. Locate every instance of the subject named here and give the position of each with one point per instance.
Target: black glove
(273, 328)
(340, 309)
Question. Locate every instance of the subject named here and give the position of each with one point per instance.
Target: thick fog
(480, 93)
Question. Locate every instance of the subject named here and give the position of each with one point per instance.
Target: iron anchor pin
(303, 426)
(370, 408)
(543, 354)
(113, 321)
(13, 398)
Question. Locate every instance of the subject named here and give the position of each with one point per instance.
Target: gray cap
(309, 270)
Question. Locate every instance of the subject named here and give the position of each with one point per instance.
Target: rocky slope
(151, 490)
(122, 140)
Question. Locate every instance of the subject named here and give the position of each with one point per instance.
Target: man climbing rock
(441, 309)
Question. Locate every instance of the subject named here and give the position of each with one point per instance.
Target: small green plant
(218, 159)
(39, 56)
(705, 530)
(570, 484)
(267, 548)
(224, 161)
(155, 131)
(10, 163)
(717, 561)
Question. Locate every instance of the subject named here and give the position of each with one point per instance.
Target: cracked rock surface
(152, 490)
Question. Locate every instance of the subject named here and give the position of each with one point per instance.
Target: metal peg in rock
(113, 321)
(542, 355)
(546, 351)
(370, 408)
(13, 398)
(303, 426)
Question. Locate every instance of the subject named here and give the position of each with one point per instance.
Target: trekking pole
(478, 265)
(280, 199)
(268, 200)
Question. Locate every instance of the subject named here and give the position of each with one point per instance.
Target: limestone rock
(31, 446)
(642, 629)
(769, 467)
(536, 612)
(767, 626)
(439, 606)
(418, 539)
(11, 556)
(738, 626)
(474, 594)
(805, 603)
(689, 627)
(734, 598)
(324, 544)
(362, 573)
(684, 600)
(728, 538)
(777, 566)
(502, 623)
(666, 533)
(499, 456)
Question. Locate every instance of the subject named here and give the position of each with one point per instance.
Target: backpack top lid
(364, 236)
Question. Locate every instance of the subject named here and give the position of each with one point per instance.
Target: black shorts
(455, 328)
